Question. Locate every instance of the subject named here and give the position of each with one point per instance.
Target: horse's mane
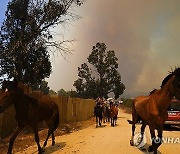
(18, 87)
(32, 101)
(152, 91)
(166, 79)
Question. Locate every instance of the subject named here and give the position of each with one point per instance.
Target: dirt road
(106, 140)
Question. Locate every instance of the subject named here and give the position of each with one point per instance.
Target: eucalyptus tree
(99, 76)
(27, 37)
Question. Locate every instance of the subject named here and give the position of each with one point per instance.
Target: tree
(26, 37)
(43, 87)
(52, 92)
(62, 92)
(70, 93)
(101, 76)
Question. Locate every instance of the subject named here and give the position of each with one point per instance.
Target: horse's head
(7, 95)
(174, 80)
(176, 83)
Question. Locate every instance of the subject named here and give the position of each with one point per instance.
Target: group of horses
(152, 110)
(105, 112)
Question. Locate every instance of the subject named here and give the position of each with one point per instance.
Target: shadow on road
(102, 126)
(54, 148)
(145, 149)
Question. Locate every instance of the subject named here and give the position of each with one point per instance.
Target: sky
(144, 34)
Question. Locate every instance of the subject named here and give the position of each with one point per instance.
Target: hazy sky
(144, 34)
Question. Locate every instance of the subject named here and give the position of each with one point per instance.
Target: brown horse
(113, 114)
(152, 109)
(29, 112)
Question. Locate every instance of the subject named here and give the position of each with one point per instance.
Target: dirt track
(104, 140)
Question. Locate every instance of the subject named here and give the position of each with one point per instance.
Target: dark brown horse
(152, 109)
(107, 114)
(98, 112)
(113, 114)
(29, 112)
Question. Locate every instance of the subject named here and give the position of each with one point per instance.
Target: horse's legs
(115, 119)
(104, 117)
(50, 131)
(111, 121)
(12, 139)
(153, 138)
(100, 120)
(134, 118)
(53, 139)
(35, 129)
(50, 124)
(159, 140)
(108, 116)
(96, 121)
(144, 123)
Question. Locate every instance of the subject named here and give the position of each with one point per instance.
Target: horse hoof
(143, 148)
(150, 149)
(131, 143)
(41, 152)
(53, 143)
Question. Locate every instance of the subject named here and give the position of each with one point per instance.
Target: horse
(105, 111)
(107, 114)
(29, 112)
(113, 114)
(98, 112)
(152, 109)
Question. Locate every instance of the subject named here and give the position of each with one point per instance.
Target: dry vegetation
(26, 138)
(127, 105)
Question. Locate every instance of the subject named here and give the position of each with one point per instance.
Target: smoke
(143, 33)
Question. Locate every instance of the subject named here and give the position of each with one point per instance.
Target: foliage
(52, 92)
(128, 103)
(71, 93)
(26, 37)
(62, 92)
(101, 76)
(43, 87)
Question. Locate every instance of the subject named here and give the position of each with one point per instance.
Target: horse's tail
(135, 116)
(133, 111)
(56, 121)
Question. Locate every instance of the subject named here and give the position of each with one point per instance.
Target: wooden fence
(70, 109)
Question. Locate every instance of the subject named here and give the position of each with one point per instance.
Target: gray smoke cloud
(144, 34)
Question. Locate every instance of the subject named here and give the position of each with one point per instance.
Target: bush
(128, 103)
